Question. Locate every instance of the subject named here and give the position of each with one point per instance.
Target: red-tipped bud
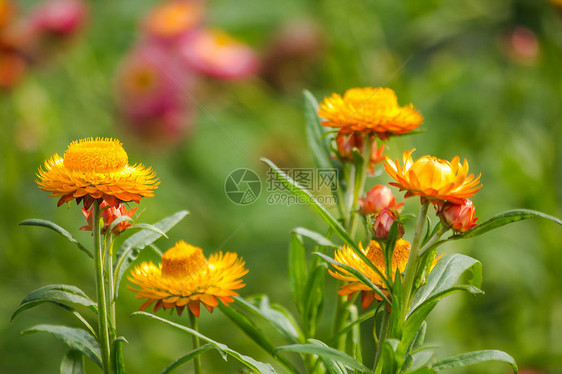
(384, 222)
(378, 198)
(108, 215)
(346, 142)
(459, 216)
(377, 155)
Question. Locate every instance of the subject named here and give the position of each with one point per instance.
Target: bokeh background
(487, 76)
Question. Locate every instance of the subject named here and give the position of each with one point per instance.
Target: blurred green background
(484, 95)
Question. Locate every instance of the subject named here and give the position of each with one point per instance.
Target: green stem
(103, 333)
(382, 336)
(196, 360)
(433, 240)
(110, 289)
(413, 259)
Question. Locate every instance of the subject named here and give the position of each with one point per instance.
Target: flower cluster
(161, 70)
(34, 38)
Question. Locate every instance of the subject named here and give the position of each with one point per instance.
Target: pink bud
(384, 222)
(378, 198)
(459, 216)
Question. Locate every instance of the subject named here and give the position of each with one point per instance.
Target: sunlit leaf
(471, 358)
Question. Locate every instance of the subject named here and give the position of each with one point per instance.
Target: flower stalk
(413, 259)
(197, 360)
(103, 330)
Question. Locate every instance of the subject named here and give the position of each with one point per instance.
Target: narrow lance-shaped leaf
(298, 271)
(254, 333)
(56, 228)
(129, 250)
(188, 357)
(316, 137)
(75, 339)
(58, 293)
(316, 237)
(325, 352)
(253, 364)
(313, 299)
(313, 203)
(476, 357)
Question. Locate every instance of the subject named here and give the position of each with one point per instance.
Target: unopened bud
(460, 217)
(384, 222)
(377, 199)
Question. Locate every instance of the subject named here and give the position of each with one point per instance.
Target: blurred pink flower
(60, 17)
(173, 19)
(217, 54)
(522, 46)
(151, 93)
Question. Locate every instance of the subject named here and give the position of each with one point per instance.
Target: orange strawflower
(433, 179)
(96, 169)
(175, 18)
(369, 110)
(186, 277)
(374, 253)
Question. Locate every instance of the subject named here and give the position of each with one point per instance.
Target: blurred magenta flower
(173, 19)
(292, 54)
(217, 54)
(61, 18)
(151, 93)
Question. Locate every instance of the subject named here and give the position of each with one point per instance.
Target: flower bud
(460, 217)
(378, 198)
(384, 222)
(377, 155)
(108, 215)
(346, 142)
(60, 17)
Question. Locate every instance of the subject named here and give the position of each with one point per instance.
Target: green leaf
(422, 370)
(72, 363)
(476, 357)
(316, 137)
(254, 333)
(333, 366)
(357, 274)
(188, 357)
(313, 299)
(316, 237)
(446, 274)
(56, 293)
(117, 355)
(56, 228)
(253, 364)
(279, 318)
(504, 219)
(152, 228)
(130, 249)
(313, 203)
(76, 339)
(298, 271)
(362, 318)
(326, 353)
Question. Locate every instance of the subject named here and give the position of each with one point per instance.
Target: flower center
(433, 172)
(99, 155)
(182, 260)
